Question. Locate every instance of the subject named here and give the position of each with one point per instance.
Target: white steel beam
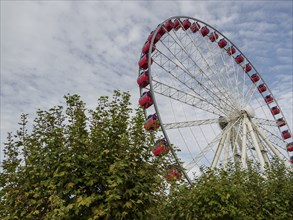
(185, 124)
(218, 152)
(273, 149)
(263, 151)
(262, 121)
(255, 143)
(244, 139)
(226, 150)
(187, 98)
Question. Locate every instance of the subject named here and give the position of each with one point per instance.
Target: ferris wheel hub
(249, 111)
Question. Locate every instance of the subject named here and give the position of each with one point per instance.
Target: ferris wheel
(202, 95)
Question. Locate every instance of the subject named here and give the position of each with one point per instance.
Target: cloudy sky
(90, 48)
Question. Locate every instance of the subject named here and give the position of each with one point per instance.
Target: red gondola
(157, 37)
(146, 47)
(161, 148)
(286, 134)
(186, 24)
(281, 122)
(143, 79)
(231, 50)
(161, 31)
(152, 123)
(275, 110)
(291, 159)
(247, 68)
(262, 88)
(143, 63)
(169, 25)
(222, 43)
(146, 100)
(213, 36)
(195, 27)
(269, 99)
(204, 31)
(254, 77)
(177, 24)
(239, 59)
(290, 147)
(173, 174)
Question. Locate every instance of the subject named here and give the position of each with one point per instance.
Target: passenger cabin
(204, 31)
(290, 147)
(157, 37)
(262, 88)
(281, 122)
(169, 25)
(173, 174)
(161, 31)
(152, 123)
(146, 47)
(213, 36)
(286, 134)
(161, 147)
(239, 59)
(143, 63)
(231, 50)
(143, 79)
(254, 77)
(177, 24)
(247, 68)
(291, 159)
(186, 24)
(275, 110)
(222, 43)
(269, 99)
(195, 27)
(146, 100)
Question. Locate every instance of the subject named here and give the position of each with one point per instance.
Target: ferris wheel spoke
(271, 137)
(244, 143)
(234, 141)
(186, 98)
(211, 83)
(251, 151)
(248, 152)
(262, 121)
(184, 49)
(216, 71)
(225, 79)
(188, 79)
(226, 146)
(185, 124)
(255, 143)
(218, 151)
(250, 92)
(262, 146)
(270, 145)
(195, 62)
(202, 154)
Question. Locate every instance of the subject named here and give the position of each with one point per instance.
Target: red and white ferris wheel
(204, 96)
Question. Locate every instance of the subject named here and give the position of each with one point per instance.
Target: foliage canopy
(74, 166)
(233, 193)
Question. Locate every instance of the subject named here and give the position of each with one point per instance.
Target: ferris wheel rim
(157, 111)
